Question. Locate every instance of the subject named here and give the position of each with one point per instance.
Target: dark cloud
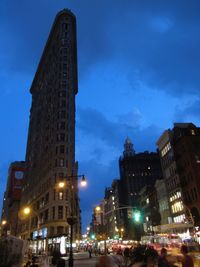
(93, 123)
(190, 113)
(157, 39)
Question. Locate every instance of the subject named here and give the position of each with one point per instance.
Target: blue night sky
(139, 72)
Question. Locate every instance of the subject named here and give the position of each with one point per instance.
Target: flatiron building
(50, 154)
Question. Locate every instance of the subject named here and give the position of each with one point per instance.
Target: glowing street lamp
(83, 181)
(4, 222)
(26, 210)
(98, 208)
(61, 185)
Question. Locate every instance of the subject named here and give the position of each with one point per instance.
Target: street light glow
(4, 222)
(98, 208)
(27, 210)
(61, 184)
(83, 181)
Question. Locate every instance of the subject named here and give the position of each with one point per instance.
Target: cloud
(113, 30)
(94, 124)
(161, 24)
(189, 112)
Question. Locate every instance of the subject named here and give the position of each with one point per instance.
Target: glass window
(61, 162)
(62, 149)
(60, 195)
(60, 212)
(53, 212)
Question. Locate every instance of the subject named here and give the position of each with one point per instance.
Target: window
(46, 198)
(61, 176)
(193, 132)
(60, 137)
(60, 195)
(46, 215)
(62, 149)
(60, 212)
(60, 229)
(166, 148)
(62, 93)
(66, 195)
(66, 212)
(53, 212)
(61, 162)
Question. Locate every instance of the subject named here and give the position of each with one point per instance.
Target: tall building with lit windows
(136, 171)
(179, 152)
(50, 154)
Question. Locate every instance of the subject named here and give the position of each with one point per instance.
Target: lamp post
(72, 219)
(26, 211)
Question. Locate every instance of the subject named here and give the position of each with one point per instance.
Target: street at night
(100, 133)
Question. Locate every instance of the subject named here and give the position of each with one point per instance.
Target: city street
(82, 259)
(85, 262)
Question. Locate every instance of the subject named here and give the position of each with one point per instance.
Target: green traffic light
(137, 216)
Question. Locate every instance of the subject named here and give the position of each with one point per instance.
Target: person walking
(90, 252)
(162, 260)
(187, 260)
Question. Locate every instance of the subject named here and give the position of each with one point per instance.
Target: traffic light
(137, 216)
(92, 236)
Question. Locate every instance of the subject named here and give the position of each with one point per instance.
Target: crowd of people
(145, 256)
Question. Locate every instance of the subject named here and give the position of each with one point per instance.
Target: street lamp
(71, 220)
(4, 222)
(98, 209)
(26, 213)
(26, 210)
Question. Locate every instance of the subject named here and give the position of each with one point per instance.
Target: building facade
(12, 197)
(50, 154)
(171, 177)
(179, 152)
(186, 142)
(136, 171)
(150, 209)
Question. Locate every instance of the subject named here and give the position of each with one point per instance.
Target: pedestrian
(90, 252)
(151, 257)
(34, 264)
(137, 257)
(187, 260)
(126, 257)
(117, 260)
(162, 260)
(104, 261)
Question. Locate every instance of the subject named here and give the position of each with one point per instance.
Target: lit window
(61, 162)
(193, 132)
(60, 195)
(166, 148)
(147, 200)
